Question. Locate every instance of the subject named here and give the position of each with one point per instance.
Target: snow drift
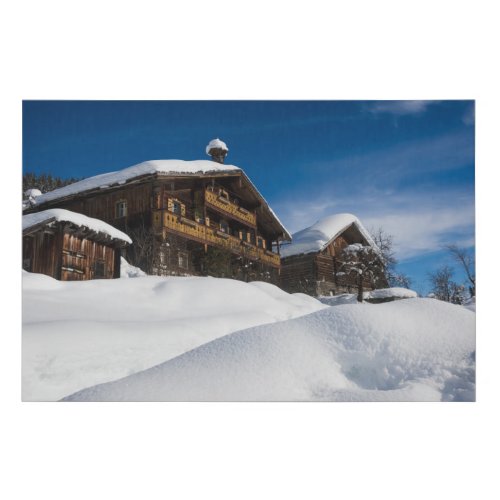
(408, 350)
(77, 334)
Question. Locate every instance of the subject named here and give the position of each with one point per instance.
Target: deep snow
(77, 334)
(394, 292)
(184, 339)
(409, 350)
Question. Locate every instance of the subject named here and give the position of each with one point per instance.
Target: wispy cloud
(386, 167)
(399, 108)
(420, 222)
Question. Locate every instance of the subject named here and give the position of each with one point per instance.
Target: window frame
(121, 209)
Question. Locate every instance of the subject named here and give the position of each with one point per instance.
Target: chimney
(217, 150)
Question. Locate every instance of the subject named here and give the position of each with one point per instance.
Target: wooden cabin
(184, 217)
(68, 246)
(311, 263)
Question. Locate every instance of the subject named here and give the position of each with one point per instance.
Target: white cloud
(427, 229)
(419, 222)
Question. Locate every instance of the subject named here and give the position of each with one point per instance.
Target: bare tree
(385, 243)
(399, 279)
(142, 251)
(464, 257)
(442, 283)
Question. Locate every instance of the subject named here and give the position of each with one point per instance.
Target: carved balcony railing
(221, 204)
(207, 235)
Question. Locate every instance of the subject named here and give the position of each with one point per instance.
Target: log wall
(298, 274)
(67, 257)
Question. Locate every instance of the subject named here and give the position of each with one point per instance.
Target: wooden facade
(316, 273)
(174, 221)
(68, 252)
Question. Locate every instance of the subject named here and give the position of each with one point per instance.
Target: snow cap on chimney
(217, 149)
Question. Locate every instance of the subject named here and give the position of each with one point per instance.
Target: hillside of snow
(408, 350)
(78, 334)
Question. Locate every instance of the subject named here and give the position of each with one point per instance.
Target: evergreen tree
(44, 182)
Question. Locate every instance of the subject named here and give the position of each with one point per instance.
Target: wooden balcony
(225, 206)
(204, 234)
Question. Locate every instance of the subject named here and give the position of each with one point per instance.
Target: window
(176, 208)
(121, 209)
(183, 260)
(99, 269)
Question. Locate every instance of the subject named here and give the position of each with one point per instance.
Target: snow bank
(382, 293)
(408, 350)
(107, 180)
(470, 304)
(78, 334)
(316, 237)
(59, 214)
(129, 271)
(387, 293)
(337, 300)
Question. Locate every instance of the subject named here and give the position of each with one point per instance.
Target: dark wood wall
(103, 206)
(83, 259)
(298, 274)
(68, 257)
(42, 253)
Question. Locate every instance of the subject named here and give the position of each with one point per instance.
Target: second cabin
(312, 262)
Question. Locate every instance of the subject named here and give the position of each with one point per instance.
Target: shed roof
(50, 216)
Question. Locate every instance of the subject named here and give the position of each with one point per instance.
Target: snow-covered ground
(409, 350)
(77, 334)
(381, 293)
(388, 293)
(198, 339)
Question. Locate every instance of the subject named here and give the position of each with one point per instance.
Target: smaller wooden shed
(311, 262)
(68, 246)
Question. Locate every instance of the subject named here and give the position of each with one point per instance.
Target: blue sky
(405, 166)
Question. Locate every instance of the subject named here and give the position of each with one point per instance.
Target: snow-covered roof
(164, 167)
(317, 237)
(216, 143)
(110, 179)
(61, 215)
